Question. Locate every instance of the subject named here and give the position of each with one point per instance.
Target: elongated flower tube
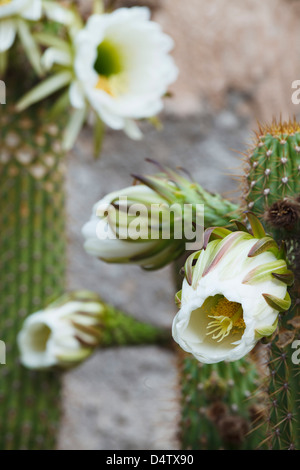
(69, 330)
(154, 222)
(232, 293)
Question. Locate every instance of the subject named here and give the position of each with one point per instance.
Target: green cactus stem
(32, 260)
(271, 191)
(220, 405)
(271, 181)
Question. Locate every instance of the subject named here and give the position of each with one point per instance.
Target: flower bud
(154, 222)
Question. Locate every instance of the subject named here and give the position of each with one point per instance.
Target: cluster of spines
(283, 388)
(272, 167)
(271, 191)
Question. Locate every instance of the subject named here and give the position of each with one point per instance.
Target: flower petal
(7, 34)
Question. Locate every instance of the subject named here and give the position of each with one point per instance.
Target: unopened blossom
(149, 224)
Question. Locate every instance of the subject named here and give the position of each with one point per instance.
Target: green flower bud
(154, 222)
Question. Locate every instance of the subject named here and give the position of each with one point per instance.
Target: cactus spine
(272, 188)
(32, 258)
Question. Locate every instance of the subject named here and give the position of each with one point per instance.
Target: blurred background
(237, 62)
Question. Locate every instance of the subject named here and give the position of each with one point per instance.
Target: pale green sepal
(98, 7)
(61, 105)
(178, 298)
(262, 245)
(204, 261)
(224, 248)
(240, 226)
(3, 63)
(73, 128)
(69, 17)
(158, 186)
(30, 46)
(189, 265)
(88, 329)
(281, 305)
(266, 331)
(257, 227)
(287, 277)
(216, 232)
(44, 89)
(265, 271)
(77, 356)
(98, 135)
(49, 40)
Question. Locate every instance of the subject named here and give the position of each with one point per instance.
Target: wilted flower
(11, 14)
(63, 334)
(233, 290)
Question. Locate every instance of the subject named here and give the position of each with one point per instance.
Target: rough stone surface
(249, 46)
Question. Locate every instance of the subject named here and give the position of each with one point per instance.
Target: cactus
(32, 257)
(271, 191)
(271, 183)
(221, 407)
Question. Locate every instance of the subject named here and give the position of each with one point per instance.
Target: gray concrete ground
(128, 398)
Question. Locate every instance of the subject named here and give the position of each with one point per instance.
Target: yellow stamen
(4, 2)
(103, 84)
(227, 317)
(115, 85)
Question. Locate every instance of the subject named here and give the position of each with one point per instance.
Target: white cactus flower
(117, 70)
(11, 11)
(231, 296)
(123, 67)
(61, 335)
